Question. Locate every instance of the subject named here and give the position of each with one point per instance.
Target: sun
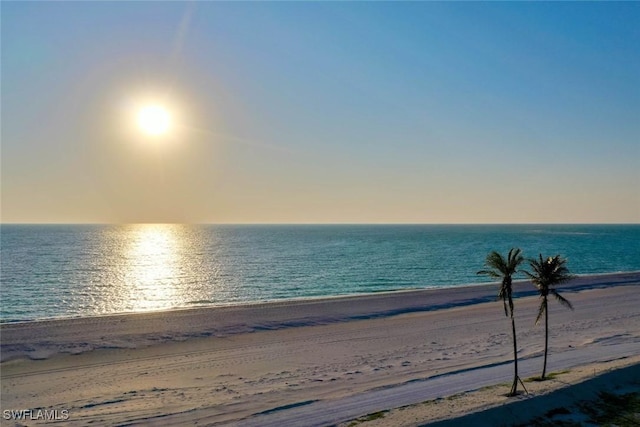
(154, 120)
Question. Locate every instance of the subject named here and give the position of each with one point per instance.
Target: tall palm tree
(504, 269)
(547, 274)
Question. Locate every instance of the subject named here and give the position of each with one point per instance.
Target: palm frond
(498, 267)
(538, 269)
(562, 300)
(531, 277)
(548, 273)
(490, 273)
(514, 259)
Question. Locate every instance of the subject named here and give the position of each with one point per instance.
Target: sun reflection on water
(153, 262)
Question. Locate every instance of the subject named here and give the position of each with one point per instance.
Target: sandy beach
(284, 362)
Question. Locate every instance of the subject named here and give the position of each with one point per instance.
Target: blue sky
(319, 112)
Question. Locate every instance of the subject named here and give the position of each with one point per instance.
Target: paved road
(323, 413)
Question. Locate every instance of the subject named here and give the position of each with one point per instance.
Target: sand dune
(244, 364)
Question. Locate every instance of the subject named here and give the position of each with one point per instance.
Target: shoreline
(322, 299)
(581, 281)
(40, 339)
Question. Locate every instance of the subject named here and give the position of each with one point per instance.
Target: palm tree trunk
(546, 337)
(514, 386)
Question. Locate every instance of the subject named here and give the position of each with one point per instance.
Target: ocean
(51, 271)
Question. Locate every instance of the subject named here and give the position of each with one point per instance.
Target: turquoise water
(75, 270)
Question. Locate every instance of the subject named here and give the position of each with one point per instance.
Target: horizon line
(318, 223)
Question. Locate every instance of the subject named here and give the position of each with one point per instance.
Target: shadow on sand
(544, 410)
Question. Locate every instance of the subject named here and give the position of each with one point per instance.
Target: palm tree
(499, 268)
(547, 274)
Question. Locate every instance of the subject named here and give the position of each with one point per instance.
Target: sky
(321, 112)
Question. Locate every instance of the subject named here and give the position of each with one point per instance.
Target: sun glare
(154, 120)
